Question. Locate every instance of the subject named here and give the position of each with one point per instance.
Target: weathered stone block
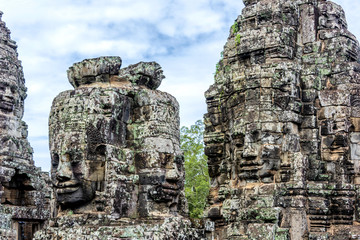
(282, 234)
(87, 71)
(356, 124)
(355, 151)
(334, 98)
(261, 231)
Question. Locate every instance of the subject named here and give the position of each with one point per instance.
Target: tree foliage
(196, 169)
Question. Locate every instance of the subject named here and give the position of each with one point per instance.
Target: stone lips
(91, 70)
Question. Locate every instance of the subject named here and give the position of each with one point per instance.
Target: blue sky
(184, 37)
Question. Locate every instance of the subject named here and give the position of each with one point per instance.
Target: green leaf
(197, 181)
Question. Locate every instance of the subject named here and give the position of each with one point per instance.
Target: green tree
(197, 177)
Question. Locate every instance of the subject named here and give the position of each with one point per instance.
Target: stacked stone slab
(117, 169)
(24, 194)
(283, 125)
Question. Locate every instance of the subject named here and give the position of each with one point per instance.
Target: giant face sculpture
(77, 145)
(73, 178)
(118, 125)
(86, 126)
(8, 96)
(169, 186)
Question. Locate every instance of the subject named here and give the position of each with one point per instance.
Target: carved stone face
(73, 176)
(85, 127)
(8, 96)
(170, 184)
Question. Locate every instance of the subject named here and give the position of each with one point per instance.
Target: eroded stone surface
(24, 193)
(282, 129)
(117, 169)
(93, 70)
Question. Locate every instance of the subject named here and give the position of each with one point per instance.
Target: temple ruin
(24, 189)
(282, 128)
(282, 138)
(117, 169)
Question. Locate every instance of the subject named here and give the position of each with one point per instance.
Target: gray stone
(117, 169)
(297, 67)
(24, 190)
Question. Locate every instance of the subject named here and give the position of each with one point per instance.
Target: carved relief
(282, 124)
(114, 144)
(24, 193)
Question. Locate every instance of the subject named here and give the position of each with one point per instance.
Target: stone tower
(24, 193)
(117, 169)
(283, 125)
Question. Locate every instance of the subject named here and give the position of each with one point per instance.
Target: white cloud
(185, 37)
(178, 34)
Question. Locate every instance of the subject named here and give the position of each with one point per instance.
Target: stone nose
(172, 175)
(8, 95)
(64, 171)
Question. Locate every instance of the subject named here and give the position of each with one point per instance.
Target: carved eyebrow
(6, 84)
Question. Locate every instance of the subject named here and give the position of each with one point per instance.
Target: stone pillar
(24, 193)
(117, 169)
(281, 128)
